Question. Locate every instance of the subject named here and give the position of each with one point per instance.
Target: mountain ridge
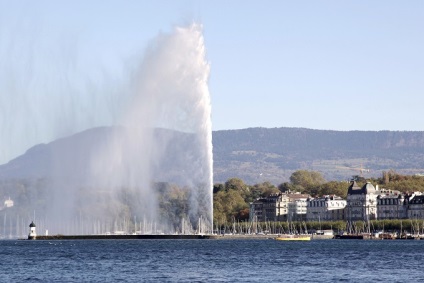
(259, 154)
(279, 151)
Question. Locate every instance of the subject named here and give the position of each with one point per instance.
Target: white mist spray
(171, 92)
(164, 136)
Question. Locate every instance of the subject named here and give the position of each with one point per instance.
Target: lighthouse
(32, 235)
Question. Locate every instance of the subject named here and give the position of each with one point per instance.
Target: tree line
(232, 198)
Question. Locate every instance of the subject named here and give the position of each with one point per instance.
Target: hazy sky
(342, 65)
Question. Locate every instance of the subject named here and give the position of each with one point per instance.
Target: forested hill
(263, 154)
(254, 155)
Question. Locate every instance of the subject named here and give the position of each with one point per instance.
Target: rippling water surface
(211, 261)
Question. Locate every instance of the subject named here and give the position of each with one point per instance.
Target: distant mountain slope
(258, 154)
(72, 158)
(254, 155)
(63, 156)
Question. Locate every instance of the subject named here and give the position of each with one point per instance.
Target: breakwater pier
(123, 237)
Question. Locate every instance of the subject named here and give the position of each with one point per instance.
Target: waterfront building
(391, 204)
(326, 208)
(271, 208)
(255, 210)
(297, 207)
(416, 207)
(361, 202)
(279, 207)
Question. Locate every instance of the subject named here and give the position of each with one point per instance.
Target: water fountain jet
(156, 165)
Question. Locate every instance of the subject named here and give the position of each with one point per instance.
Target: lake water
(211, 261)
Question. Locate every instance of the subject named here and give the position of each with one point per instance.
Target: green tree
(218, 187)
(284, 187)
(266, 189)
(228, 205)
(235, 184)
(404, 183)
(334, 188)
(305, 178)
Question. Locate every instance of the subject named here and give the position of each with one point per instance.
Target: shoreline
(121, 237)
(153, 237)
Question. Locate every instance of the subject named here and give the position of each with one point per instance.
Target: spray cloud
(162, 137)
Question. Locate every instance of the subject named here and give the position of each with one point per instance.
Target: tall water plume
(168, 91)
(160, 145)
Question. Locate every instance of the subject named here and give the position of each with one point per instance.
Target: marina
(317, 235)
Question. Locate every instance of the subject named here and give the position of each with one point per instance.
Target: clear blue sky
(342, 65)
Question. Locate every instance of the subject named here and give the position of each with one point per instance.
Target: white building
(297, 208)
(326, 208)
(279, 207)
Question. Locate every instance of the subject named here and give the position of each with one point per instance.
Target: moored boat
(290, 237)
(322, 235)
(351, 237)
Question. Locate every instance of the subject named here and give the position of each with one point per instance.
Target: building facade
(326, 208)
(271, 208)
(391, 205)
(279, 207)
(297, 210)
(361, 202)
(416, 207)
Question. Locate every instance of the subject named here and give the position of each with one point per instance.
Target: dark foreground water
(211, 261)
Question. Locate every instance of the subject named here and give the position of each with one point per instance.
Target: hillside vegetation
(260, 154)
(232, 198)
(255, 155)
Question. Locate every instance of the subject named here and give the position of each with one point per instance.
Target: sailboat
(293, 237)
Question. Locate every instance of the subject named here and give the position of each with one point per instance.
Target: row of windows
(388, 201)
(325, 204)
(271, 204)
